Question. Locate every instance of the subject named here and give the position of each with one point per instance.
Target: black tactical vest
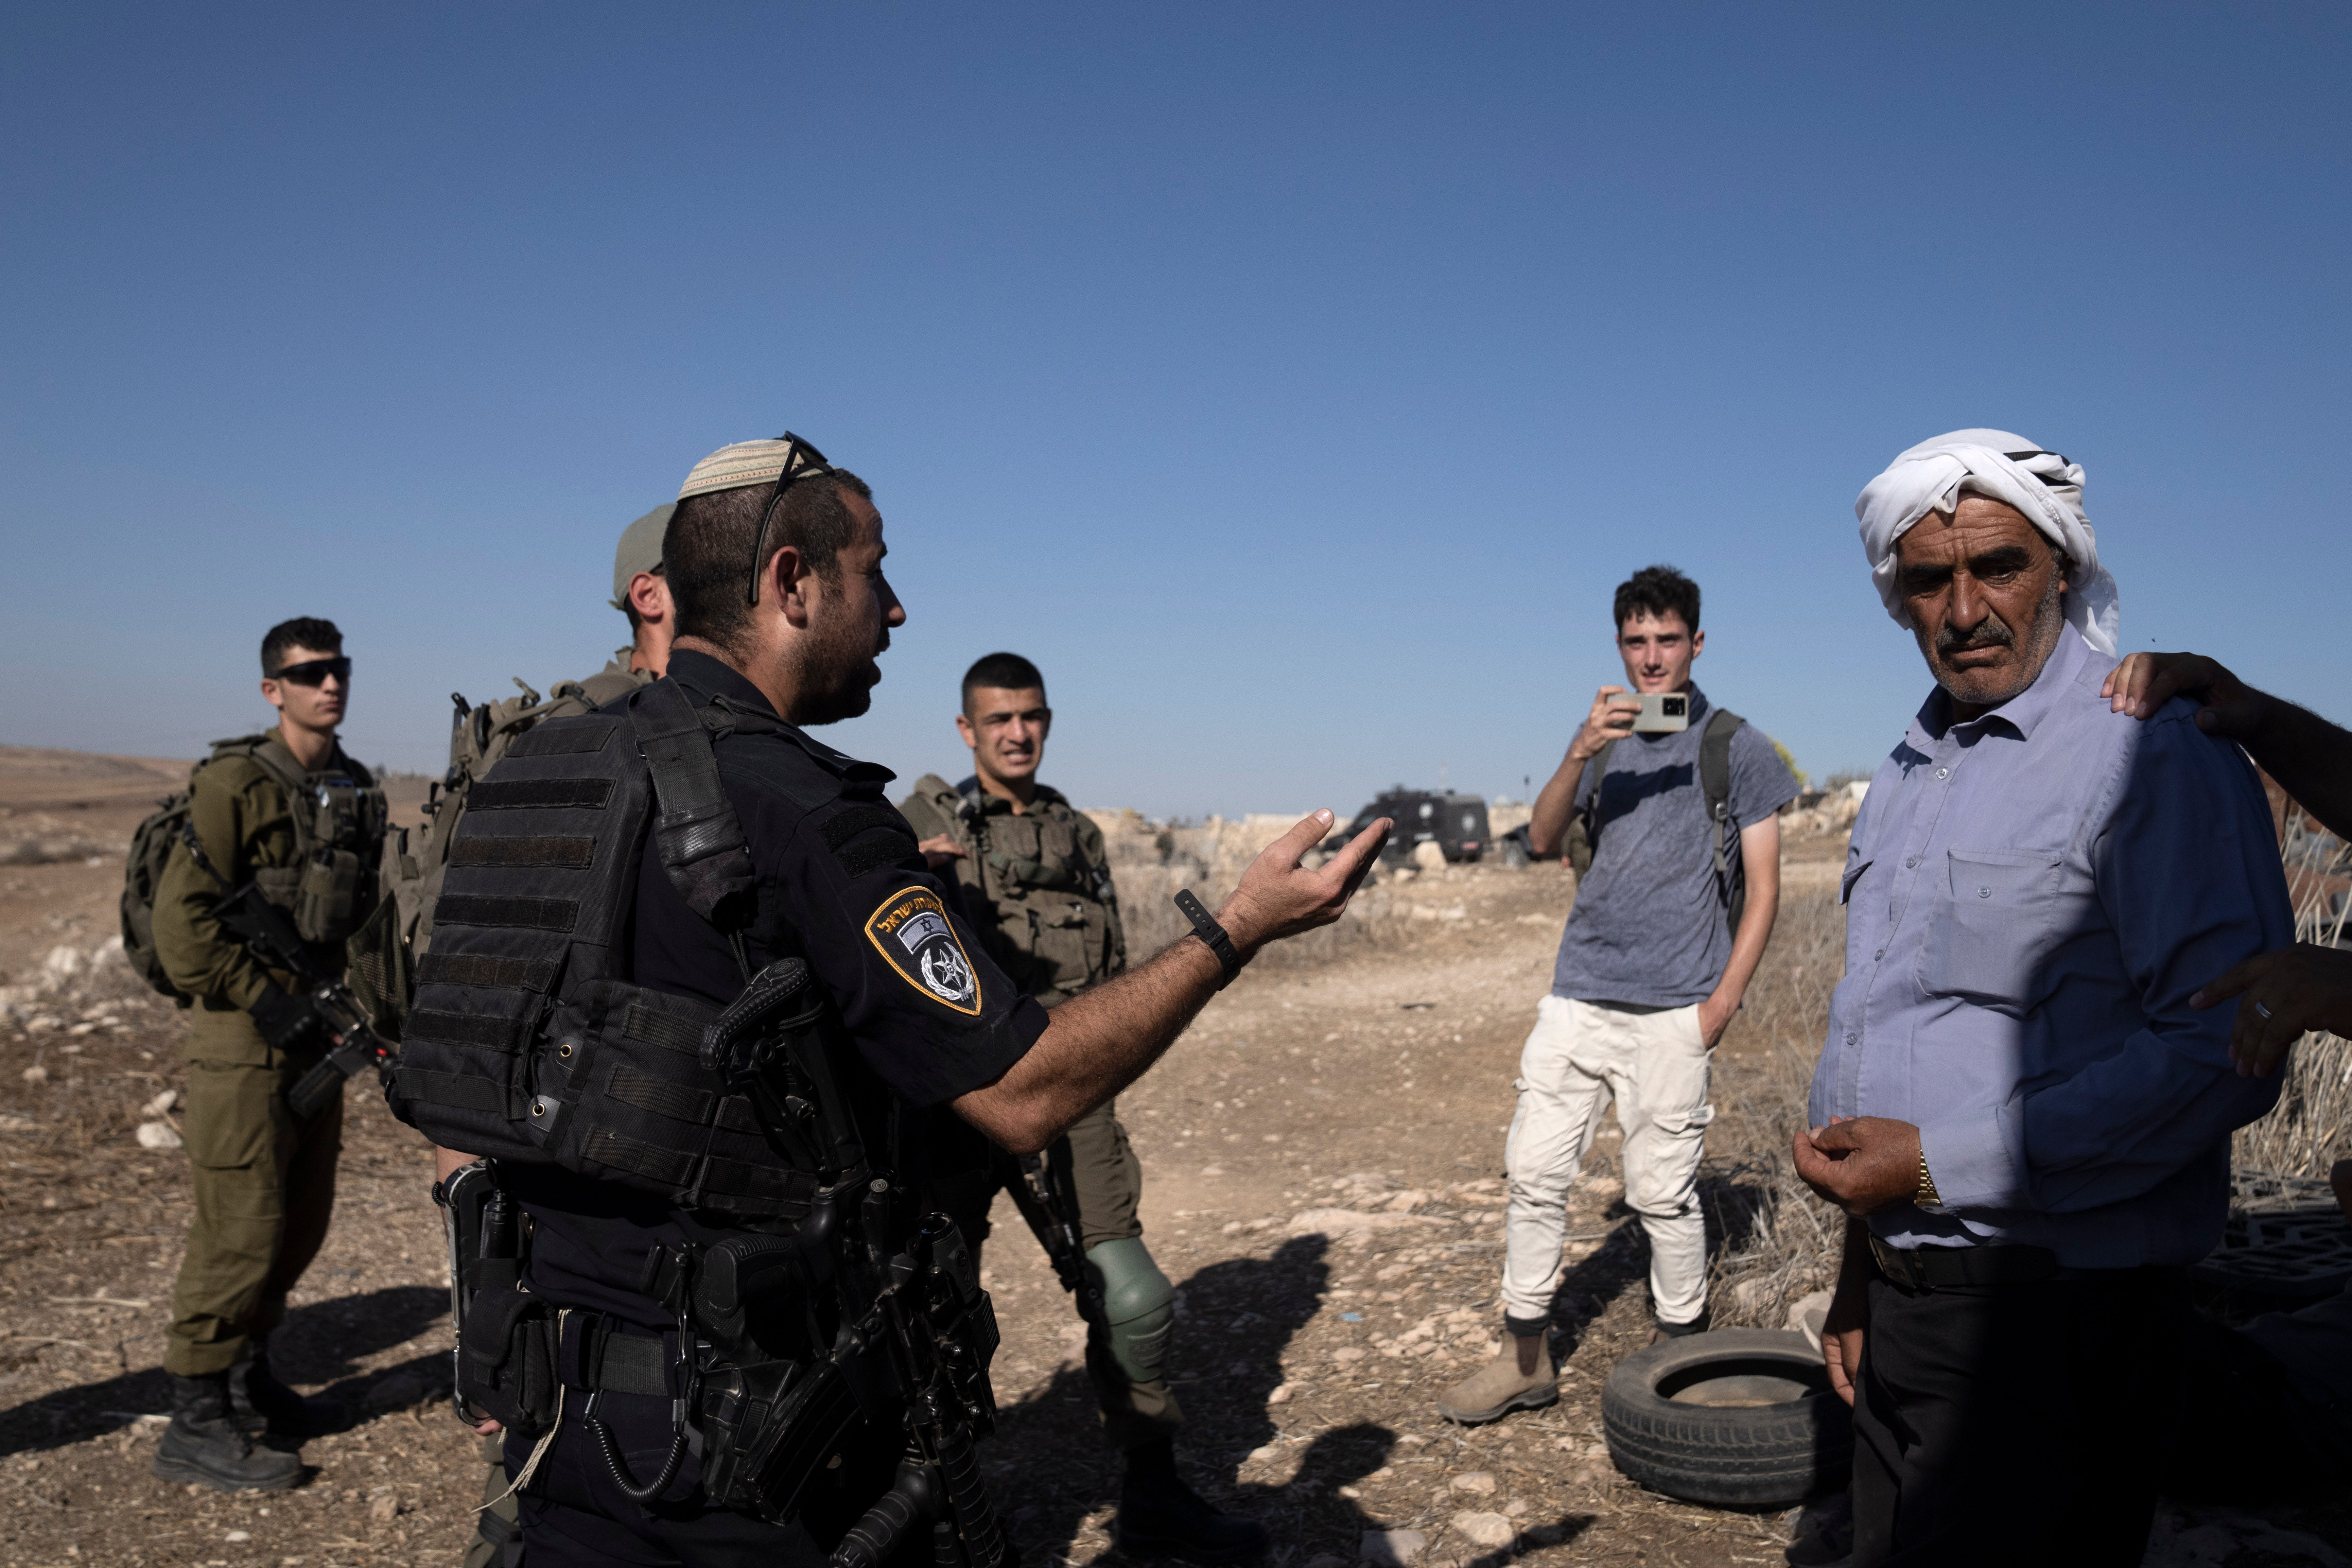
(525, 1043)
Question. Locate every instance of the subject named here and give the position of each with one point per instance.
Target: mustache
(1990, 632)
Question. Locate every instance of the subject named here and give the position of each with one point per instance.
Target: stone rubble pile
(65, 974)
(1832, 811)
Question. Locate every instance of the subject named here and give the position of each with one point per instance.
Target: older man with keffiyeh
(2017, 1105)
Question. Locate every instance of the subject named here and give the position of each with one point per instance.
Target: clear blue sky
(1292, 382)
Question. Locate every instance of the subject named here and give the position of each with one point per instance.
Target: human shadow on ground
(1051, 1471)
(1735, 1199)
(321, 1342)
(1589, 1287)
(1049, 1465)
(1731, 1200)
(324, 1341)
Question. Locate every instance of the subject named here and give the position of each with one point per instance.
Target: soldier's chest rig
(1050, 904)
(339, 830)
(829, 1305)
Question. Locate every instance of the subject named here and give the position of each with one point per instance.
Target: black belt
(599, 1355)
(1944, 1267)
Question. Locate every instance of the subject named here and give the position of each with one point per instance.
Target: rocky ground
(1324, 1156)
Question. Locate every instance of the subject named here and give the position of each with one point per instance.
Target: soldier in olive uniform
(288, 812)
(1035, 882)
(641, 591)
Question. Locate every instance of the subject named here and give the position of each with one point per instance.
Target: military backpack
(416, 859)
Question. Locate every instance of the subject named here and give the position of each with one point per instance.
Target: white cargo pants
(1654, 1064)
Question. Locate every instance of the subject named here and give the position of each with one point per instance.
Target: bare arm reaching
(1760, 860)
(1097, 1043)
(2310, 758)
(1547, 826)
(2281, 994)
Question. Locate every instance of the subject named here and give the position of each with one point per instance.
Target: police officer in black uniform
(774, 564)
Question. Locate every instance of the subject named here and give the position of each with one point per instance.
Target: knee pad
(1138, 1306)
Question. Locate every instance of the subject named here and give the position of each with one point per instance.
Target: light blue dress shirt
(2032, 897)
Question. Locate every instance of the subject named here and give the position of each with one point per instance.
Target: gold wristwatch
(1926, 1197)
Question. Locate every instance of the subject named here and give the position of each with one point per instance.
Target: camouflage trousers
(263, 1184)
(1108, 1181)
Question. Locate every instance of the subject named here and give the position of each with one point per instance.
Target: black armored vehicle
(1457, 824)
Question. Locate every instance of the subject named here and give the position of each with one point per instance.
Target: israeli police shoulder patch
(911, 931)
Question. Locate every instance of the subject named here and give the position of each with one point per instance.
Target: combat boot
(1159, 1516)
(203, 1443)
(258, 1403)
(1500, 1386)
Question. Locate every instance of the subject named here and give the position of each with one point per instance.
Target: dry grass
(2307, 1132)
(1778, 1242)
(1148, 885)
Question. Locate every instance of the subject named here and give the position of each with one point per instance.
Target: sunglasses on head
(802, 461)
(314, 671)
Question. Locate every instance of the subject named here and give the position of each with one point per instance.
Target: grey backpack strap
(696, 830)
(1715, 782)
(1594, 771)
(1587, 799)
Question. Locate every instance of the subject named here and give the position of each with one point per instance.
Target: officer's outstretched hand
(1279, 897)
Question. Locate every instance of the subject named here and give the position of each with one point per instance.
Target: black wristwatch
(1213, 936)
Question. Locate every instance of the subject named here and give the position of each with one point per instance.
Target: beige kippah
(750, 463)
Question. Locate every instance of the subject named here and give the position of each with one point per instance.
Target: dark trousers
(2254, 1430)
(2016, 1424)
(575, 1515)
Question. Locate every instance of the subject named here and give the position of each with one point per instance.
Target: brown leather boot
(1521, 1378)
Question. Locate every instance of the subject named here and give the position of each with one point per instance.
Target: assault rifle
(897, 1329)
(351, 1046)
(1051, 1208)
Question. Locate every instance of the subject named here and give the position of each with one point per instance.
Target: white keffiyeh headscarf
(2044, 486)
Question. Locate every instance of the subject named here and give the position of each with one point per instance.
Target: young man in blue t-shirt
(1650, 971)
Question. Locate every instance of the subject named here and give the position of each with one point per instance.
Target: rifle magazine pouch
(377, 968)
(506, 1360)
(622, 1095)
(324, 896)
(280, 885)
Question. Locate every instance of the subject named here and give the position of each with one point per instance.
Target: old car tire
(1739, 1416)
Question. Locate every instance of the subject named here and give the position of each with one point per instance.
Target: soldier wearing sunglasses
(288, 812)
